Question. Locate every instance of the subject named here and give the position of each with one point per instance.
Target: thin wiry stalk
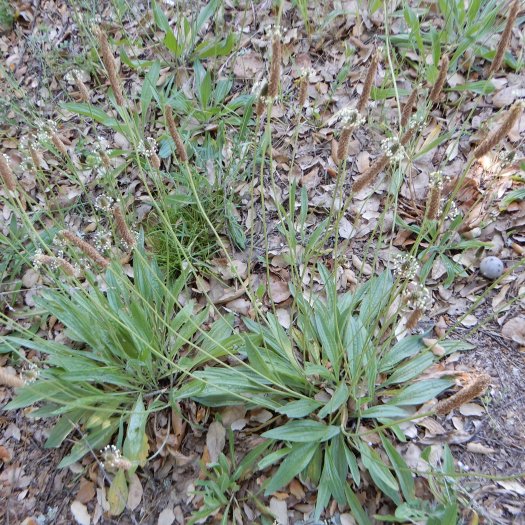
(466, 394)
(111, 66)
(494, 138)
(505, 39)
(179, 145)
(440, 82)
(7, 174)
(87, 249)
(369, 81)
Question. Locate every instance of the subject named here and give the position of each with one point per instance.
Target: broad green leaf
(303, 432)
(337, 469)
(118, 494)
(380, 473)
(296, 461)
(87, 110)
(407, 347)
(481, 87)
(62, 429)
(299, 408)
(403, 472)
(93, 441)
(351, 461)
(516, 195)
(358, 512)
(338, 399)
(274, 457)
(411, 369)
(384, 411)
(136, 444)
(420, 392)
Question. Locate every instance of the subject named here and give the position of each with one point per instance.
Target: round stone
(491, 267)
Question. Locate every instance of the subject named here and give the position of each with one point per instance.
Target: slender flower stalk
(275, 66)
(369, 81)
(86, 248)
(406, 112)
(466, 394)
(494, 138)
(122, 228)
(505, 38)
(435, 93)
(111, 66)
(55, 262)
(179, 145)
(11, 380)
(7, 174)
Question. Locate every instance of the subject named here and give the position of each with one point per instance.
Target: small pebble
(491, 268)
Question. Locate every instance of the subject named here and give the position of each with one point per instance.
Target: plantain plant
(123, 345)
(340, 383)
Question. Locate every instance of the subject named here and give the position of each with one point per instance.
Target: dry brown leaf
(280, 511)
(279, 290)
(515, 330)
(166, 517)
(297, 489)
(247, 66)
(5, 455)
(479, 448)
(135, 492)
(215, 440)
(80, 513)
(86, 492)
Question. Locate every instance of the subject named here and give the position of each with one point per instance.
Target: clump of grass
(180, 233)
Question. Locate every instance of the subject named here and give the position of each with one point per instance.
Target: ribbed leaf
(303, 432)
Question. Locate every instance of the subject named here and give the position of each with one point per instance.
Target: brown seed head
(87, 249)
(11, 380)
(494, 138)
(275, 67)
(406, 112)
(122, 228)
(369, 81)
(59, 145)
(505, 38)
(56, 262)
(7, 175)
(440, 82)
(466, 394)
(111, 66)
(344, 142)
(179, 145)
